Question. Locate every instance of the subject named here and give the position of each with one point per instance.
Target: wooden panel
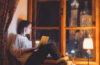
(46, 28)
(68, 28)
(80, 28)
(97, 31)
(29, 10)
(34, 15)
(62, 26)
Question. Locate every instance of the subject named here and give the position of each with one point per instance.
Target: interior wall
(20, 13)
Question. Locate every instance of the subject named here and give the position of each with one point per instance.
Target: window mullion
(62, 26)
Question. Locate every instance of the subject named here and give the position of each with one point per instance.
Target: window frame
(95, 8)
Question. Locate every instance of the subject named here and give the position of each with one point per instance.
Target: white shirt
(18, 45)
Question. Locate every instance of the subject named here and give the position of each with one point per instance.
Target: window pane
(53, 35)
(74, 43)
(48, 14)
(79, 13)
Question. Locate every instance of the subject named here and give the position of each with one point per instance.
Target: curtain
(7, 9)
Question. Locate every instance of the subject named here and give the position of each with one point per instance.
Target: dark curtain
(7, 8)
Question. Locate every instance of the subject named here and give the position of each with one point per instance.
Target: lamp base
(89, 52)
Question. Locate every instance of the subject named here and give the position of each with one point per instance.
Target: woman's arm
(18, 52)
(28, 50)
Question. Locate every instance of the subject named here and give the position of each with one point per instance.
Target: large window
(68, 23)
(78, 14)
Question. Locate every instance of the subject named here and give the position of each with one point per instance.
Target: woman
(22, 49)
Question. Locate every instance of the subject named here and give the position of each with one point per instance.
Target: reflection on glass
(53, 34)
(85, 16)
(74, 46)
(73, 17)
(79, 13)
(48, 14)
(74, 13)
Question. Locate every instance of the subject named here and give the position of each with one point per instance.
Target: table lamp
(88, 45)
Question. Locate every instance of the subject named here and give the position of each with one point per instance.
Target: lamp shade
(88, 43)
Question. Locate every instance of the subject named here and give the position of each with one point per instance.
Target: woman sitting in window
(21, 48)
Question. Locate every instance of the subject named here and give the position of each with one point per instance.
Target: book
(43, 41)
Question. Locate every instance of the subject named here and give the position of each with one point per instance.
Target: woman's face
(28, 29)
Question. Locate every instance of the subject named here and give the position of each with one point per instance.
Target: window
(47, 21)
(78, 14)
(68, 22)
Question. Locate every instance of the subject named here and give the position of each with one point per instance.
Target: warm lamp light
(88, 43)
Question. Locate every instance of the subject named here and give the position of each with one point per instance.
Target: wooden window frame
(96, 15)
